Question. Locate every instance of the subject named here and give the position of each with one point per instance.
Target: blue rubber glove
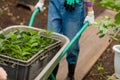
(70, 4)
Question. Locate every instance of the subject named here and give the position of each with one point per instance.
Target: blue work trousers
(66, 23)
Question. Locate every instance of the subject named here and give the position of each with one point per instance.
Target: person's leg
(72, 23)
(54, 18)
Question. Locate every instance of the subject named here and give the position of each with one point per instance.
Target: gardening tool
(66, 48)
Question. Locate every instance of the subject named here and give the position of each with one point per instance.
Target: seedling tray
(28, 70)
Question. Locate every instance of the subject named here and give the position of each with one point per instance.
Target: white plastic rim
(116, 48)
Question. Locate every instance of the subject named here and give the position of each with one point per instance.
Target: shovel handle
(32, 19)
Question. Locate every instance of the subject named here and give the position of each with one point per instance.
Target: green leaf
(117, 3)
(2, 36)
(100, 68)
(115, 29)
(101, 35)
(34, 44)
(25, 53)
(117, 18)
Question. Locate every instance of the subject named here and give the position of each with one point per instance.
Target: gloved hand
(40, 5)
(3, 74)
(90, 17)
(70, 4)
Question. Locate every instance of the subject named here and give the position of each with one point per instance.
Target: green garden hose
(32, 19)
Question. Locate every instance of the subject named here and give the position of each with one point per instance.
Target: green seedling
(100, 68)
(21, 44)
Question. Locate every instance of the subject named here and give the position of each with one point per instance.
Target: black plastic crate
(21, 70)
(28, 70)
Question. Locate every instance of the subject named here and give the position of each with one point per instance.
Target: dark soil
(103, 69)
(12, 14)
